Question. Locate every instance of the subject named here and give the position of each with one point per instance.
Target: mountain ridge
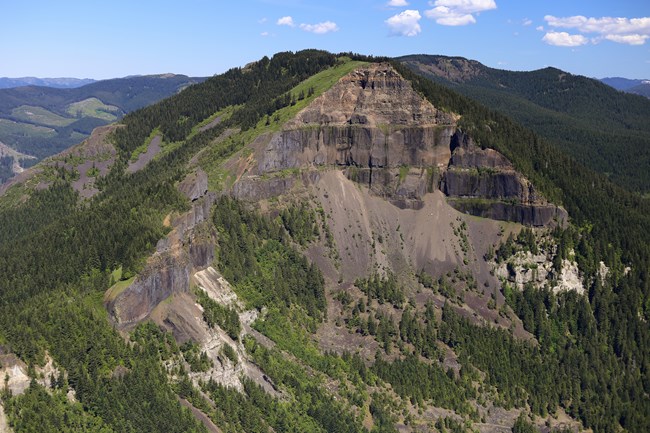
(310, 247)
(639, 87)
(61, 83)
(598, 125)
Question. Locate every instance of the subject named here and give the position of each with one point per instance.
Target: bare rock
(259, 188)
(165, 274)
(195, 185)
(371, 118)
(483, 182)
(372, 95)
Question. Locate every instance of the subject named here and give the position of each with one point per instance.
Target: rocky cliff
(483, 182)
(371, 118)
(387, 137)
(189, 246)
(163, 275)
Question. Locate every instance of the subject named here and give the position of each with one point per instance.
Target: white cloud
(405, 23)
(285, 21)
(526, 22)
(604, 25)
(563, 39)
(628, 39)
(320, 28)
(262, 20)
(458, 12)
(539, 28)
(631, 31)
(397, 3)
(264, 34)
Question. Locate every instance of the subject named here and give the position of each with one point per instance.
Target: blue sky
(116, 38)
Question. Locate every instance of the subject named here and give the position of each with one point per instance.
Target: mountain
(620, 83)
(322, 243)
(43, 121)
(59, 83)
(602, 128)
(638, 87)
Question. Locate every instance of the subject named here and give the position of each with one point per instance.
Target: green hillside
(73, 113)
(600, 127)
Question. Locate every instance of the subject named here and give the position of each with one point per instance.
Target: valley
(43, 121)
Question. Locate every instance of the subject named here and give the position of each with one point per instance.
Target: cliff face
(371, 118)
(388, 138)
(189, 246)
(383, 135)
(164, 275)
(483, 182)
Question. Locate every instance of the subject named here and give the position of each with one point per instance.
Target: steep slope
(600, 127)
(373, 124)
(287, 258)
(342, 153)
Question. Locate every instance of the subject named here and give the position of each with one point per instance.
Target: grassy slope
(93, 107)
(39, 115)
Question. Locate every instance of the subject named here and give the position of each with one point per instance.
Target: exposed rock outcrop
(195, 185)
(189, 246)
(371, 118)
(15, 371)
(525, 267)
(365, 145)
(483, 182)
(395, 142)
(165, 273)
(260, 188)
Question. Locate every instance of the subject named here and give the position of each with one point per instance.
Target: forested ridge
(55, 262)
(612, 226)
(598, 126)
(57, 256)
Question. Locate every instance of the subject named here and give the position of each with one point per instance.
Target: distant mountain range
(59, 83)
(639, 87)
(41, 121)
(603, 128)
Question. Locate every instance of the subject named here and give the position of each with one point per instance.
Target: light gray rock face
(165, 273)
